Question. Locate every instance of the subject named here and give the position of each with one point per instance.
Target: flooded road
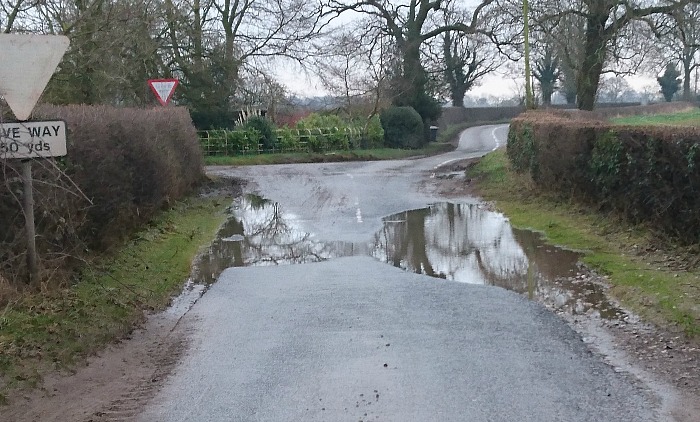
(460, 242)
(357, 292)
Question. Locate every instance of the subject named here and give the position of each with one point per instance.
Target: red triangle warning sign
(163, 88)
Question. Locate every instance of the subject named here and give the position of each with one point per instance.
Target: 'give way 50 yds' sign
(33, 139)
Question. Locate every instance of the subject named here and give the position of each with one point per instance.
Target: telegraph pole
(529, 100)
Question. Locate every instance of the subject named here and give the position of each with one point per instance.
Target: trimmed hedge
(123, 165)
(403, 127)
(650, 174)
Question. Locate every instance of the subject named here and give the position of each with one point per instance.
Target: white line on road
(446, 162)
(358, 214)
(493, 133)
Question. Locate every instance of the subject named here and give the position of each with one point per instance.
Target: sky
(305, 85)
(496, 84)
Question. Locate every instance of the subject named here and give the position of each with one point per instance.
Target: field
(684, 118)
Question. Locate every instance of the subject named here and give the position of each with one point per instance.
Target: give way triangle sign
(163, 88)
(28, 61)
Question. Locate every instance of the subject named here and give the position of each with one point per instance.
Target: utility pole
(529, 101)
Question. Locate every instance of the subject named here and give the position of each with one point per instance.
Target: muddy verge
(116, 383)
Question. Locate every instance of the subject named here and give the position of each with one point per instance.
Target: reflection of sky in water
(460, 242)
(454, 241)
(464, 241)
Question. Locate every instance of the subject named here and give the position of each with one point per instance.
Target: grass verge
(54, 330)
(646, 277)
(334, 156)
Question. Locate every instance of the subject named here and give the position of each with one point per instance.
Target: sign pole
(28, 209)
(29, 60)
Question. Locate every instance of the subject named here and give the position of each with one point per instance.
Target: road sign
(163, 88)
(33, 139)
(28, 61)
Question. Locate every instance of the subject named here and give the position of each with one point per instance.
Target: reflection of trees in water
(271, 238)
(221, 254)
(466, 243)
(459, 242)
(454, 241)
(259, 233)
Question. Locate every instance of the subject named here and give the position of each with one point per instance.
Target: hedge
(300, 139)
(649, 174)
(123, 165)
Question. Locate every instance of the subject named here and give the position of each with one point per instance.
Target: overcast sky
(305, 85)
(497, 84)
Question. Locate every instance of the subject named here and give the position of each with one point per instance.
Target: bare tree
(212, 40)
(467, 58)
(614, 89)
(350, 66)
(14, 16)
(604, 23)
(410, 25)
(683, 44)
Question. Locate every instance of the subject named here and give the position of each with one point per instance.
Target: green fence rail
(250, 141)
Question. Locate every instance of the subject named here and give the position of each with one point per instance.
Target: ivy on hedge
(649, 174)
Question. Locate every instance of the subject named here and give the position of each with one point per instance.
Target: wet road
(354, 339)
(347, 201)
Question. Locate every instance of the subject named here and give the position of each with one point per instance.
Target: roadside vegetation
(331, 156)
(117, 227)
(652, 272)
(61, 327)
(367, 142)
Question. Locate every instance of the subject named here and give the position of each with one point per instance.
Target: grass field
(684, 118)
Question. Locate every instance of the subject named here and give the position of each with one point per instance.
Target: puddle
(259, 233)
(460, 242)
(467, 243)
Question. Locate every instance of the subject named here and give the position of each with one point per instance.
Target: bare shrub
(123, 165)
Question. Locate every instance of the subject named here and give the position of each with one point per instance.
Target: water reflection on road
(461, 242)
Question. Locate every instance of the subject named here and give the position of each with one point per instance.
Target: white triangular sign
(28, 61)
(163, 88)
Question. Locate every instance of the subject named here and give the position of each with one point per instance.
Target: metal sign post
(28, 210)
(28, 62)
(25, 141)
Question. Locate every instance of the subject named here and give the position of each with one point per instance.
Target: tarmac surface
(352, 339)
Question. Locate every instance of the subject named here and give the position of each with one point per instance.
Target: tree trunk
(595, 47)
(412, 79)
(687, 70)
(547, 91)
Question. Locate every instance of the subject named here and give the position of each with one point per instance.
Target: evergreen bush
(265, 128)
(403, 127)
